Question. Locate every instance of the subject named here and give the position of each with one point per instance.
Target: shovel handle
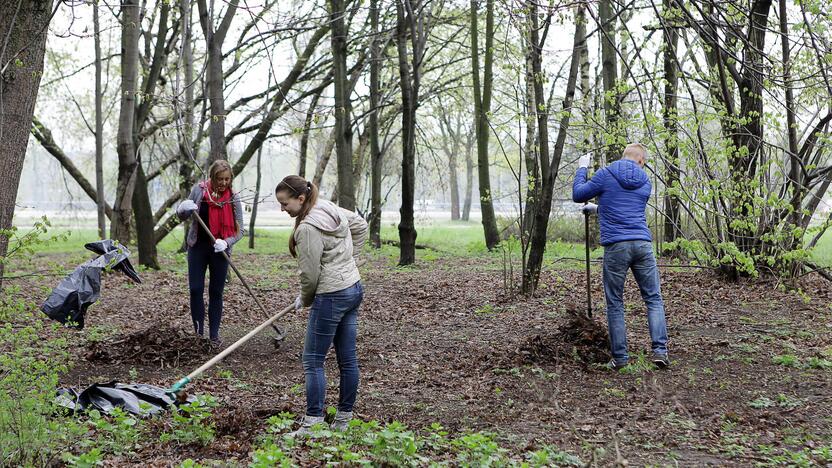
(240, 276)
(588, 285)
(219, 357)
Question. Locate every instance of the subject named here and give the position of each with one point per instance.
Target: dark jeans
(638, 256)
(201, 257)
(333, 319)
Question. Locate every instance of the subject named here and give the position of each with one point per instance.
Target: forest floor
(445, 342)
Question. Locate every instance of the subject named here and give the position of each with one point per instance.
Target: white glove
(187, 206)
(589, 208)
(584, 161)
(298, 303)
(220, 245)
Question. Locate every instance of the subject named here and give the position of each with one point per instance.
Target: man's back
(623, 190)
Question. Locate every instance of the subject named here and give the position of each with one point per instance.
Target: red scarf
(221, 220)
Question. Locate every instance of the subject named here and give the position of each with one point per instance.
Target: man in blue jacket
(623, 189)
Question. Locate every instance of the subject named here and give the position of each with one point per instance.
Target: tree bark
(343, 126)
(482, 107)
(612, 103)
(99, 127)
(409, 24)
(375, 151)
(307, 128)
(23, 28)
(256, 202)
(549, 169)
(672, 229)
(125, 143)
(186, 133)
(469, 177)
(145, 234)
(214, 73)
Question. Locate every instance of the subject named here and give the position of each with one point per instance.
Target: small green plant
(32, 429)
(85, 460)
(192, 423)
(478, 449)
(552, 456)
(637, 365)
(270, 456)
(485, 309)
(396, 445)
(116, 433)
(818, 363)
(787, 360)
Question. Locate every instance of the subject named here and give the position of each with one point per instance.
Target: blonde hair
(634, 150)
(217, 167)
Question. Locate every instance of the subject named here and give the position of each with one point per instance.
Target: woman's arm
(238, 217)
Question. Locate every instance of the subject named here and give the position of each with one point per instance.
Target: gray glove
(298, 303)
(584, 161)
(187, 207)
(589, 208)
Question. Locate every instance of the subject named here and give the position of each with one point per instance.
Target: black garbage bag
(69, 300)
(139, 399)
(122, 262)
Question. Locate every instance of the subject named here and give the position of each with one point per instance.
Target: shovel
(177, 389)
(587, 210)
(280, 334)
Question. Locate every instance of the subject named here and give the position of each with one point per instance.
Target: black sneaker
(660, 360)
(613, 365)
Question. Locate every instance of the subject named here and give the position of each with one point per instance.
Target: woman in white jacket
(326, 241)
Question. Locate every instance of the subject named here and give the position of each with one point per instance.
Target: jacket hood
(326, 217)
(628, 174)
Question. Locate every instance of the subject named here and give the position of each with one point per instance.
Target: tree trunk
(409, 76)
(214, 74)
(795, 172)
(23, 27)
(127, 162)
(256, 202)
(537, 130)
(454, 182)
(145, 235)
(375, 151)
(549, 169)
(99, 127)
(307, 128)
(482, 107)
(672, 229)
(612, 103)
(343, 127)
(450, 127)
(186, 135)
(469, 177)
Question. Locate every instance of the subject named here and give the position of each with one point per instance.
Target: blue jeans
(333, 319)
(201, 257)
(638, 256)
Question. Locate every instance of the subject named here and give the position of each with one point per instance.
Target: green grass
(444, 240)
(822, 254)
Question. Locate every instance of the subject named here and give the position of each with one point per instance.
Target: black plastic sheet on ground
(139, 399)
(70, 300)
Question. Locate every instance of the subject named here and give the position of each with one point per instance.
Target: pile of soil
(580, 338)
(157, 344)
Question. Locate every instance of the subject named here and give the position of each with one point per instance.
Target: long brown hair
(296, 186)
(216, 168)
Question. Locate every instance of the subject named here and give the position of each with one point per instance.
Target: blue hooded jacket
(622, 189)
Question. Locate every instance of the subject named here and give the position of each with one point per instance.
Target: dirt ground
(443, 342)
